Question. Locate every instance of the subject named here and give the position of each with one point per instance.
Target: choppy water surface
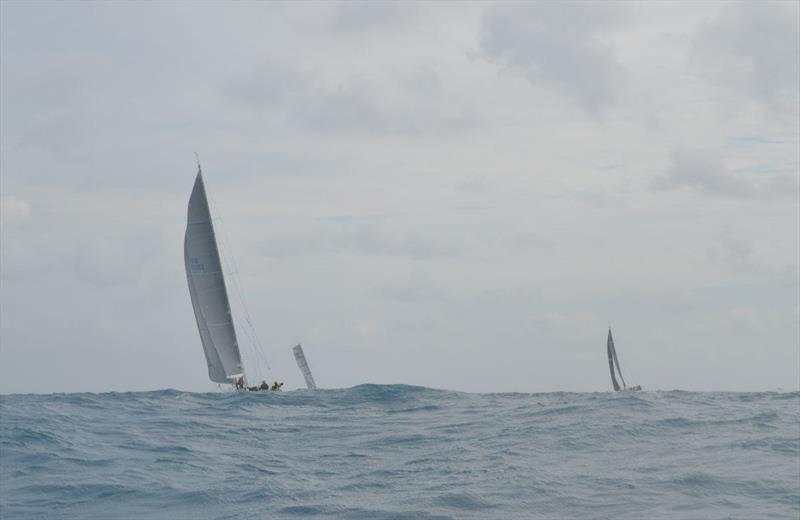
(400, 452)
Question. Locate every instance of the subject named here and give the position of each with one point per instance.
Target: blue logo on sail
(196, 265)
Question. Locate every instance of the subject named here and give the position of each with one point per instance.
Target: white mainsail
(207, 290)
(614, 362)
(300, 357)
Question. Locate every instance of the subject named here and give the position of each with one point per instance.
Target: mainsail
(303, 365)
(207, 290)
(613, 361)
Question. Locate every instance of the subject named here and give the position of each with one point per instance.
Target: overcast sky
(459, 196)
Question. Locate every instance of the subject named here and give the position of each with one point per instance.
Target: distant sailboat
(614, 362)
(300, 357)
(208, 293)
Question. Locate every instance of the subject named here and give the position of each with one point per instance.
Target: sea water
(397, 451)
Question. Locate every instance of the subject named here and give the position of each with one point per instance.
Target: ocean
(400, 452)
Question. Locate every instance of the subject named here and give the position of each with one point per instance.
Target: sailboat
(614, 362)
(302, 364)
(208, 293)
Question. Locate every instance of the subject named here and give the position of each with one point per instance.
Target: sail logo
(197, 265)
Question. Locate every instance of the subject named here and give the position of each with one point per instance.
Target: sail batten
(300, 357)
(207, 290)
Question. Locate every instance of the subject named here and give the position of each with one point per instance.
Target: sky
(455, 195)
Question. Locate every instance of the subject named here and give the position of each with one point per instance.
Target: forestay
(207, 289)
(300, 357)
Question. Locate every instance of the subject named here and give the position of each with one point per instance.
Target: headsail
(207, 290)
(303, 365)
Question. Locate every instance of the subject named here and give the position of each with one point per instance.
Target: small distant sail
(303, 365)
(612, 362)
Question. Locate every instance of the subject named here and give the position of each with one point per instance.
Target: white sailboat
(302, 364)
(614, 362)
(208, 293)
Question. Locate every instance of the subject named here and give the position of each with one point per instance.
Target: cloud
(365, 240)
(413, 290)
(411, 106)
(702, 171)
(736, 254)
(114, 260)
(364, 16)
(556, 46)
(13, 209)
(741, 257)
(269, 84)
(404, 101)
(753, 49)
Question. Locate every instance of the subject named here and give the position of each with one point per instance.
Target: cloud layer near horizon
(460, 196)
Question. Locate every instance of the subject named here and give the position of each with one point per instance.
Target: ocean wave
(399, 451)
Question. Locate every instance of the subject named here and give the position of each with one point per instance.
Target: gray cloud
(414, 106)
(703, 171)
(269, 84)
(114, 258)
(556, 46)
(349, 109)
(403, 102)
(361, 239)
(753, 48)
(356, 16)
(737, 255)
(742, 258)
(415, 289)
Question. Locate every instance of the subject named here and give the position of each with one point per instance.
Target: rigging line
(258, 356)
(246, 332)
(237, 283)
(228, 256)
(252, 333)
